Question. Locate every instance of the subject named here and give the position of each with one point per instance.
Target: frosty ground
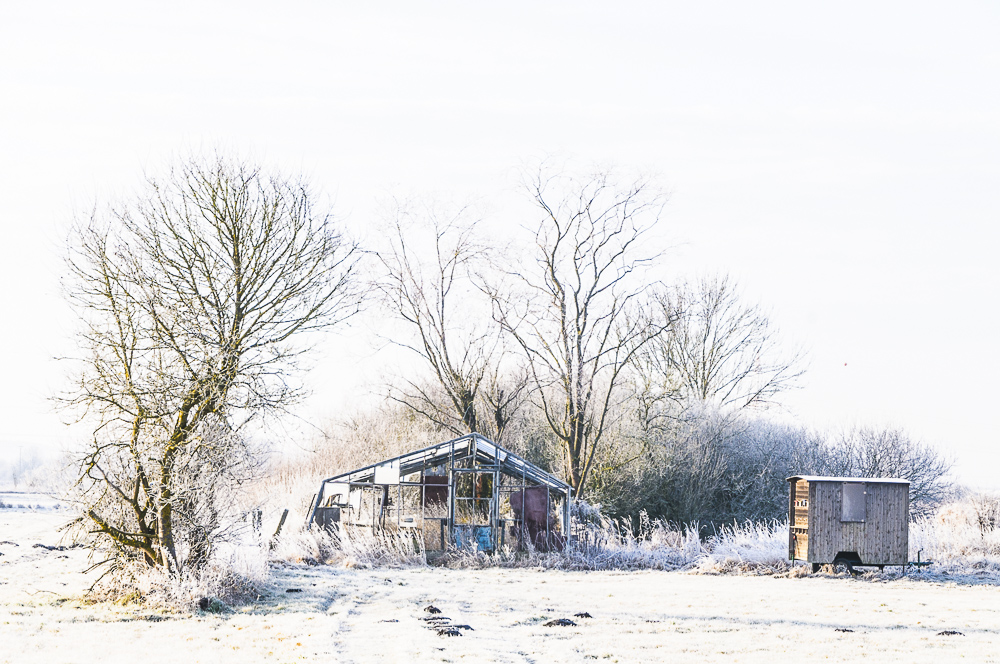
(376, 615)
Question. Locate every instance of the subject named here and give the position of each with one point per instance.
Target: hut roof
(821, 478)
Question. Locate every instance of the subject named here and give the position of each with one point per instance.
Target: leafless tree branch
(191, 297)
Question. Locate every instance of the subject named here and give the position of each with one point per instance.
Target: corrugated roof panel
(461, 448)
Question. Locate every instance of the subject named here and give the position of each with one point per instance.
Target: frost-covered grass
(367, 604)
(331, 614)
(748, 548)
(236, 576)
(958, 539)
(962, 539)
(602, 544)
(220, 585)
(347, 548)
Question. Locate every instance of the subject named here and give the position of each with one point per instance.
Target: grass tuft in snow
(348, 547)
(747, 548)
(235, 579)
(961, 538)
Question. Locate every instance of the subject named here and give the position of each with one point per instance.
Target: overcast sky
(842, 162)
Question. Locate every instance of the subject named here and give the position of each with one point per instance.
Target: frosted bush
(960, 538)
(751, 547)
(653, 545)
(582, 512)
(234, 577)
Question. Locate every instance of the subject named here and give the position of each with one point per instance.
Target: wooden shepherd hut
(848, 521)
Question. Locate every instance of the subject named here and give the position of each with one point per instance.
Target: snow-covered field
(29, 500)
(377, 615)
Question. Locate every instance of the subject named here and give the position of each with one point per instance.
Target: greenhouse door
(474, 508)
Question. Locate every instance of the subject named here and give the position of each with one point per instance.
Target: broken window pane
(387, 473)
(464, 483)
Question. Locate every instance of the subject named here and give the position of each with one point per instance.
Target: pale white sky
(841, 161)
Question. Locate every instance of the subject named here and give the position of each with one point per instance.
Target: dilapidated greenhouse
(466, 493)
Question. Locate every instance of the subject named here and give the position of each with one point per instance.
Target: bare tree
(574, 311)
(194, 298)
(427, 282)
(719, 352)
(891, 452)
(506, 390)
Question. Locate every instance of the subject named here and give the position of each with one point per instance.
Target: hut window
(852, 506)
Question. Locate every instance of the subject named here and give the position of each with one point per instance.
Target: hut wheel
(843, 564)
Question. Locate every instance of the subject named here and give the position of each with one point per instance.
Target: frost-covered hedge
(962, 539)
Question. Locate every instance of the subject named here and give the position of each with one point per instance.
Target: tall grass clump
(647, 544)
(961, 537)
(348, 547)
(747, 548)
(236, 576)
(600, 543)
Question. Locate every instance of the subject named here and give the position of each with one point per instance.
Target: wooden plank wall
(882, 539)
(791, 521)
(798, 519)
